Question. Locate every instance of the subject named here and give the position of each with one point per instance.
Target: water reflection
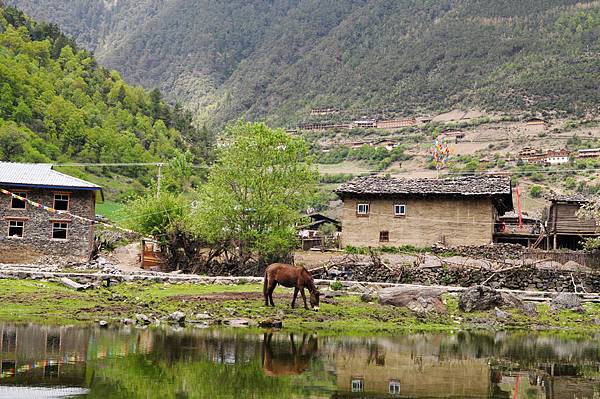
(217, 363)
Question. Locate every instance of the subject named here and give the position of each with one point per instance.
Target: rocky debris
(73, 285)
(529, 309)
(236, 322)
(142, 319)
(127, 321)
(103, 323)
(270, 323)
(479, 297)
(511, 300)
(203, 316)
(501, 314)
(368, 296)
(177, 317)
(418, 300)
(566, 301)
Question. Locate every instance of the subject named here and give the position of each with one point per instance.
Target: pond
(126, 362)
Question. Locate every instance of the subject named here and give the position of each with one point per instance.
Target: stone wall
(525, 278)
(456, 221)
(37, 238)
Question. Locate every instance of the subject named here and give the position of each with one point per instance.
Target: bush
(535, 191)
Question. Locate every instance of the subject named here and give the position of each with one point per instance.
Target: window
(384, 236)
(394, 387)
(16, 228)
(16, 203)
(399, 210)
(357, 385)
(59, 230)
(362, 209)
(61, 202)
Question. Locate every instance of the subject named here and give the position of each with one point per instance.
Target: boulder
(479, 297)
(236, 322)
(177, 317)
(141, 318)
(501, 314)
(203, 316)
(566, 301)
(419, 300)
(368, 296)
(103, 323)
(270, 323)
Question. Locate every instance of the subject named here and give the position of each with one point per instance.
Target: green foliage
(255, 193)
(280, 59)
(156, 216)
(336, 286)
(535, 191)
(58, 105)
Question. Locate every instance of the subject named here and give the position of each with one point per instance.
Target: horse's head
(314, 299)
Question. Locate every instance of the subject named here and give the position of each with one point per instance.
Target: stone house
(380, 211)
(27, 232)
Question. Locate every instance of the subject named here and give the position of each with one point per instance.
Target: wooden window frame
(395, 384)
(400, 215)
(67, 223)
(384, 236)
(366, 214)
(18, 220)
(360, 384)
(19, 193)
(68, 201)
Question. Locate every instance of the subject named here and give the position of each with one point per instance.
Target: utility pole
(160, 165)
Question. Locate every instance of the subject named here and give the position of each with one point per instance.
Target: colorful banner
(441, 152)
(52, 210)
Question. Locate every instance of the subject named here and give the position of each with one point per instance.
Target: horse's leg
(304, 298)
(271, 289)
(295, 295)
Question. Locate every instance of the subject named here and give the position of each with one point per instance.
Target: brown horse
(290, 276)
(278, 360)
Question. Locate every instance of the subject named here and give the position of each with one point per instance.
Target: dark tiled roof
(577, 197)
(471, 185)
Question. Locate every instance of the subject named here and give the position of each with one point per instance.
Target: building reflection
(415, 366)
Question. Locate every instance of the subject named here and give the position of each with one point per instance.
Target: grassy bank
(48, 302)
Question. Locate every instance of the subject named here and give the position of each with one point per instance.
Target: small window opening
(362, 209)
(16, 228)
(384, 236)
(394, 387)
(61, 202)
(59, 231)
(357, 385)
(399, 210)
(16, 203)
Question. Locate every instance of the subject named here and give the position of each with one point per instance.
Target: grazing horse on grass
(290, 276)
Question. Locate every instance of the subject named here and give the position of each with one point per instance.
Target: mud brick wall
(37, 238)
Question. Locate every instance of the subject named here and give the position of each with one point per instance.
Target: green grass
(52, 303)
(109, 209)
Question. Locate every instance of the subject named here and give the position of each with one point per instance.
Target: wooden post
(555, 246)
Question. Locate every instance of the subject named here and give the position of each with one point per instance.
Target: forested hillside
(277, 59)
(58, 105)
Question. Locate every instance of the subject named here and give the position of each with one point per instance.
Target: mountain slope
(276, 59)
(57, 105)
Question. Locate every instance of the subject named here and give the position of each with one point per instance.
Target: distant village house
(30, 232)
(380, 211)
(589, 153)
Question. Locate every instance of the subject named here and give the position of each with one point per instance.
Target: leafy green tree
(255, 193)
(12, 142)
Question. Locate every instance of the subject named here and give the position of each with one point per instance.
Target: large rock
(479, 297)
(419, 300)
(566, 301)
(177, 317)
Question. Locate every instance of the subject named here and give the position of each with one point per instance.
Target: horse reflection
(280, 359)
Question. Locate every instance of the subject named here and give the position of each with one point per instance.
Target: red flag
(519, 206)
